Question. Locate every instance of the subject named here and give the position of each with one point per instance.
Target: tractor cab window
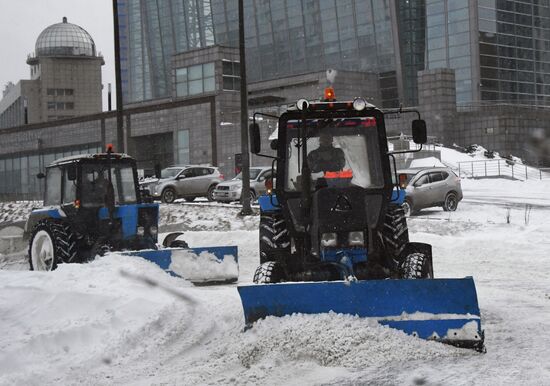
(69, 188)
(53, 186)
(95, 179)
(339, 152)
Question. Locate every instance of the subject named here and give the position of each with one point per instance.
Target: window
(53, 187)
(51, 91)
(51, 105)
(183, 146)
(195, 79)
(422, 180)
(436, 177)
(231, 75)
(69, 187)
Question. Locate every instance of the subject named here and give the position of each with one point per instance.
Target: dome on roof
(65, 39)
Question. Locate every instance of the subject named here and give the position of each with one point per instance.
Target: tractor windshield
(95, 180)
(339, 152)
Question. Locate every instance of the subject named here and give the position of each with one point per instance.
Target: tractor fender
(53, 212)
(269, 203)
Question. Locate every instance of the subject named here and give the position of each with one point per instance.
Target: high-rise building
(65, 79)
(500, 50)
(283, 38)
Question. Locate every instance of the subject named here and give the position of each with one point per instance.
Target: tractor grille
(222, 187)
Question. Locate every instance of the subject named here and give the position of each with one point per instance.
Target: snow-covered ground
(102, 323)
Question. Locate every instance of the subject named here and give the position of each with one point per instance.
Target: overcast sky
(21, 21)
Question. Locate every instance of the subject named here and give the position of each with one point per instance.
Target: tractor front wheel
(269, 273)
(274, 237)
(415, 266)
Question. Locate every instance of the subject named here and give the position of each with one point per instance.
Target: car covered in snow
(188, 182)
(430, 187)
(232, 190)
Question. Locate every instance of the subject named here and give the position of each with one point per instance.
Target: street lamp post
(247, 210)
(118, 81)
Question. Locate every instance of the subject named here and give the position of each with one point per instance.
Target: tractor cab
(94, 201)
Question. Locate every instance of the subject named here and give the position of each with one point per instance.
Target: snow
(203, 267)
(123, 320)
(425, 163)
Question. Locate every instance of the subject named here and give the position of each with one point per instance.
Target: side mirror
(157, 171)
(40, 175)
(274, 144)
(419, 131)
(71, 172)
(255, 144)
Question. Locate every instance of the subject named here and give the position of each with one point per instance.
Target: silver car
(426, 188)
(232, 190)
(188, 182)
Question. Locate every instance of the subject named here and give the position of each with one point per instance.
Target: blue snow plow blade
(444, 310)
(209, 265)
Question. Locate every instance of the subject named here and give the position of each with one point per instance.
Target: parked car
(426, 188)
(188, 182)
(232, 190)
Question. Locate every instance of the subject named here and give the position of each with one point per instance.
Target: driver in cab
(326, 158)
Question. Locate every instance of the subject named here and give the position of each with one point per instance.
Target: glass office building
(500, 50)
(283, 38)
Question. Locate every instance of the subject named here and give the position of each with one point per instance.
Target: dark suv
(426, 188)
(188, 182)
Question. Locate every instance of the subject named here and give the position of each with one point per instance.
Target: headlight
(356, 239)
(328, 239)
(234, 187)
(154, 230)
(140, 231)
(359, 104)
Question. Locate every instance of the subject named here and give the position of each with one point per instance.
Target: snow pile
(426, 163)
(17, 211)
(76, 315)
(203, 267)
(204, 216)
(334, 340)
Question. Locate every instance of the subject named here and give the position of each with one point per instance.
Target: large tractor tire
(415, 266)
(394, 232)
(52, 242)
(269, 273)
(274, 237)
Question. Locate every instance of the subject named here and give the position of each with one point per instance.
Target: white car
(232, 190)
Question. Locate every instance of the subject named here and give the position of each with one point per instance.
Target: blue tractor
(93, 205)
(333, 234)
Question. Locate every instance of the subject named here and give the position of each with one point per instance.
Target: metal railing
(501, 168)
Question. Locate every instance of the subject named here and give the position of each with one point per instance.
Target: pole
(119, 118)
(247, 210)
(109, 104)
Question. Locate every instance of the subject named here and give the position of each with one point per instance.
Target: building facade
(65, 79)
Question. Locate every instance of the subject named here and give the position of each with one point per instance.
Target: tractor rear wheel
(274, 237)
(52, 242)
(269, 273)
(394, 232)
(415, 266)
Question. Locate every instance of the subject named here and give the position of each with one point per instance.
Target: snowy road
(88, 324)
